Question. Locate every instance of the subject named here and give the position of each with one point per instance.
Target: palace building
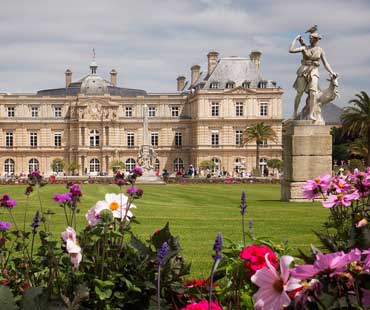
(92, 122)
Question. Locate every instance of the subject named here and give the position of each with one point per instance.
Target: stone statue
(308, 77)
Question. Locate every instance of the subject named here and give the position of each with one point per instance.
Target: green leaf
(103, 294)
(6, 299)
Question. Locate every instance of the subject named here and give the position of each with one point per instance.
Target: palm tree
(356, 119)
(359, 148)
(258, 132)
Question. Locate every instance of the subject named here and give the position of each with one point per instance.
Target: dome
(94, 85)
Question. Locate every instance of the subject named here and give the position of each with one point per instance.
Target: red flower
(254, 257)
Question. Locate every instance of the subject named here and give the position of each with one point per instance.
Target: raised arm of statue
(326, 65)
(292, 48)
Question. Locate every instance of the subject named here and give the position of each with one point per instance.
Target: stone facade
(92, 122)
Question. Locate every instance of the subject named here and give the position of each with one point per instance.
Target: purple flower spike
(4, 226)
(243, 204)
(162, 253)
(217, 247)
(35, 223)
(63, 198)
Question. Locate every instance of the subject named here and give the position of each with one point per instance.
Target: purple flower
(35, 177)
(162, 253)
(243, 204)
(35, 223)
(4, 226)
(29, 190)
(313, 188)
(138, 171)
(75, 190)
(217, 247)
(7, 202)
(63, 198)
(134, 191)
(120, 182)
(340, 199)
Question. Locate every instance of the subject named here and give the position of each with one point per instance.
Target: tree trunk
(258, 157)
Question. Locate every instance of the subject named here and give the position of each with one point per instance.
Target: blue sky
(150, 43)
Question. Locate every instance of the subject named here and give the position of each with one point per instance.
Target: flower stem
(159, 287)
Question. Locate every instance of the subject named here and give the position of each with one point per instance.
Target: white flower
(69, 236)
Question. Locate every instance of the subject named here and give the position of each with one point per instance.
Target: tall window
(239, 137)
(9, 167)
(151, 111)
(33, 165)
(33, 139)
(217, 164)
(263, 109)
(130, 164)
(130, 140)
(94, 138)
(57, 112)
(128, 111)
(154, 138)
(94, 165)
(215, 107)
(263, 143)
(11, 111)
(9, 139)
(57, 166)
(157, 165)
(35, 112)
(175, 111)
(214, 138)
(239, 107)
(178, 138)
(178, 163)
(57, 139)
(263, 164)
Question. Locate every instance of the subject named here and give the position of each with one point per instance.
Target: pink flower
(271, 294)
(203, 305)
(254, 257)
(340, 199)
(69, 237)
(340, 185)
(63, 198)
(313, 188)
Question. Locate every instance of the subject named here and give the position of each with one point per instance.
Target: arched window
(33, 165)
(230, 84)
(94, 138)
(263, 164)
(9, 167)
(217, 164)
(157, 165)
(246, 84)
(94, 165)
(178, 163)
(130, 164)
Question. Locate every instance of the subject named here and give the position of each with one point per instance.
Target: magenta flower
(138, 171)
(63, 198)
(273, 287)
(4, 226)
(132, 190)
(203, 305)
(340, 199)
(313, 188)
(7, 202)
(340, 185)
(75, 190)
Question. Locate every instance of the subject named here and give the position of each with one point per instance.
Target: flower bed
(105, 266)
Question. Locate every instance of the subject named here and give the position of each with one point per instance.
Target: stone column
(145, 125)
(307, 153)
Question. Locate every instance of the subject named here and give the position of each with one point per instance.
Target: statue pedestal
(307, 153)
(149, 177)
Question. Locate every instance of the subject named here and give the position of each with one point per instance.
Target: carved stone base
(307, 153)
(149, 177)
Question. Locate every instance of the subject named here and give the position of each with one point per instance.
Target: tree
(359, 148)
(73, 166)
(207, 164)
(258, 133)
(57, 165)
(356, 119)
(117, 165)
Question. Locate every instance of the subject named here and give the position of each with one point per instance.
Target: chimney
(255, 57)
(68, 74)
(212, 61)
(195, 73)
(113, 77)
(180, 83)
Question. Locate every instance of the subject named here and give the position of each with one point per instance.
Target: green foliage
(57, 164)
(207, 164)
(117, 165)
(6, 298)
(356, 163)
(73, 167)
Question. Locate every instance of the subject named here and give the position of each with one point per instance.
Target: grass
(196, 213)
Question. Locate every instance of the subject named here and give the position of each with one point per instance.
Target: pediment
(240, 91)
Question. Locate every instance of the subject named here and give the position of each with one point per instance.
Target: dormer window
(262, 84)
(230, 84)
(246, 84)
(213, 85)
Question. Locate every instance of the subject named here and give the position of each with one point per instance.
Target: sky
(151, 43)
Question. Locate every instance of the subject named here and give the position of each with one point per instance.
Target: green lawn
(196, 213)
